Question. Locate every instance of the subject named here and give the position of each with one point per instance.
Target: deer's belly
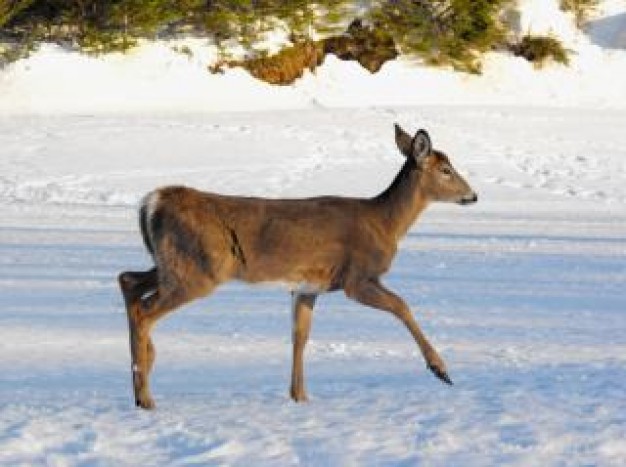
(306, 287)
(295, 287)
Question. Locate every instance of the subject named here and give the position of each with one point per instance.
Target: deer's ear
(403, 141)
(421, 145)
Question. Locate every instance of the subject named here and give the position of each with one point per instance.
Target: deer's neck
(402, 202)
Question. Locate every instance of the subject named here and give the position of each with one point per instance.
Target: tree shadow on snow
(609, 32)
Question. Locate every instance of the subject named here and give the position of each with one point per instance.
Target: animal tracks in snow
(522, 294)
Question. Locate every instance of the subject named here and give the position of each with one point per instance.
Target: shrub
(282, 68)
(539, 49)
(9, 9)
(20, 43)
(13, 51)
(247, 20)
(443, 32)
(363, 44)
(582, 9)
(371, 46)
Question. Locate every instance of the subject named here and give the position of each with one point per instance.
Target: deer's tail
(144, 218)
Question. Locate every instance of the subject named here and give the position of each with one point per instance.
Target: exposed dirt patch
(367, 45)
(282, 68)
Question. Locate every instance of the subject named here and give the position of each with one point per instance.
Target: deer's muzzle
(469, 199)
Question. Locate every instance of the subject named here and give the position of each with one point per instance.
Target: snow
(546, 18)
(609, 32)
(158, 79)
(522, 294)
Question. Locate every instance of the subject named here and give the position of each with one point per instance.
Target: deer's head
(439, 181)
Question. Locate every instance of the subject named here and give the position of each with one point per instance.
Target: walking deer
(200, 240)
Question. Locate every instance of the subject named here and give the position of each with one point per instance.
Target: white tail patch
(151, 202)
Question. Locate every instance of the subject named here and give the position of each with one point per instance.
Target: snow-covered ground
(157, 78)
(523, 294)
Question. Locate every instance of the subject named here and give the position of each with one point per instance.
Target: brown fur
(200, 240)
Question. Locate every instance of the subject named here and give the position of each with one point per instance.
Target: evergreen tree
(582, 9)
(453, 32)
(442, 31)
(9, 9)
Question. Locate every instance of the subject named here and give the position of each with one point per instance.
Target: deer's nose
(469, 199)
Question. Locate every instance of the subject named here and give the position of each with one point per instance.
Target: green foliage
(443, 32)
(540, 49)
(120, 23)
(582, 9)
(22, 42)
(9, 9)
(451, 32)
(247, 20)
(10, 52)
(242, 20)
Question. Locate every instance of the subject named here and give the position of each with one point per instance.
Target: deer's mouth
(469, 199)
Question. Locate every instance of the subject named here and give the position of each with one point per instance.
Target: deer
(200, 240)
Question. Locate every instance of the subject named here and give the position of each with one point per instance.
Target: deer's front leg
(372, 293)
(302, 310)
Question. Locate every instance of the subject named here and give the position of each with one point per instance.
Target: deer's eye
(446, 171)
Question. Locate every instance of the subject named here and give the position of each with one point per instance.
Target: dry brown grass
(541, 50)
(370, 47)
(359, 43)
(282, 68)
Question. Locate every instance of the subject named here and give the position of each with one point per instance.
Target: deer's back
(313, 241)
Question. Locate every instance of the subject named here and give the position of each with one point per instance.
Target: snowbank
(156, 78)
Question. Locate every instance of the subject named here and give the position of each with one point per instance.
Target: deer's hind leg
(134, 286)
(143, 313)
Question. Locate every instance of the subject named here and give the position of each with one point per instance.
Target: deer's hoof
(146, 403)
(441, 374)
(299, 396)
